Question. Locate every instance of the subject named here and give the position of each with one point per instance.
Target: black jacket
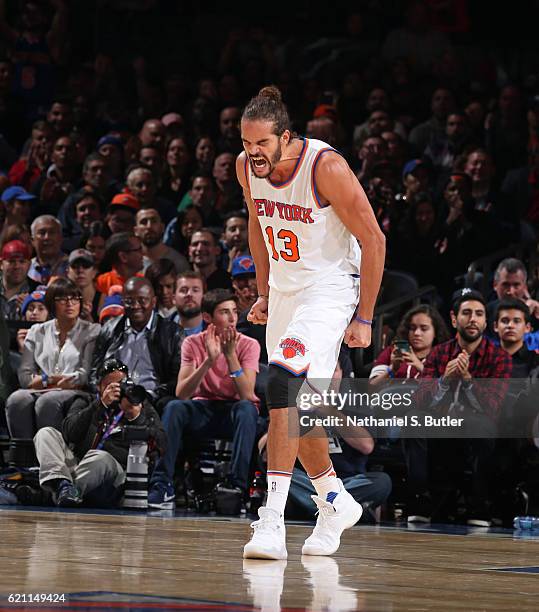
(85, 417)
(164, 345)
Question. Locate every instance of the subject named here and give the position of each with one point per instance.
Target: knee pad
(280, 393)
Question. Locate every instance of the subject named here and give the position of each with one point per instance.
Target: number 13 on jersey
(290, 250)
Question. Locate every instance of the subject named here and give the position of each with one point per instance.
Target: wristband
(260, 295)
(236, 373)
(443, 385)
(390, 372)
(363, 321)
(44, 380)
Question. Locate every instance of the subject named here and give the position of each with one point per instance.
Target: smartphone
(403, 346)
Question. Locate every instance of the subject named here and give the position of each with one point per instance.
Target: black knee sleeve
(282, 387)
(282, 392)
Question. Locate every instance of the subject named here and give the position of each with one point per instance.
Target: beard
(151, 240)
(190, 311)
(270, 163)
(467, 337)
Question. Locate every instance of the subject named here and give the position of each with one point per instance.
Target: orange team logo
(292, 347)
(245, 263)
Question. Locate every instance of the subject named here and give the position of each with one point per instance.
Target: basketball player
(307, 212)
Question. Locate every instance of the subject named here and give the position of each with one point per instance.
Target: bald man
(152, 133)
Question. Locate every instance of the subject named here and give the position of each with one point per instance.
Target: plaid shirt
(488, 361)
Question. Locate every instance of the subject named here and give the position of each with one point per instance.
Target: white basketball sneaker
(266, 582)
(269, 537)
(328, 592)
(333, 518)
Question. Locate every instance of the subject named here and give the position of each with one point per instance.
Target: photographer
(87, 461)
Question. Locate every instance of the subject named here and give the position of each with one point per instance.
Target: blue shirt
(135, 354)
(189, 331)
(41, 274)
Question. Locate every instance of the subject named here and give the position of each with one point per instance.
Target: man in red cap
(121, 213)
(15, 262)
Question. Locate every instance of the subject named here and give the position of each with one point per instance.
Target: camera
(204, 495)
(135, 433)
(135, 394)
(223, 499)
(228, 499)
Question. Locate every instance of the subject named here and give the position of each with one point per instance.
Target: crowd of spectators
(123, 230)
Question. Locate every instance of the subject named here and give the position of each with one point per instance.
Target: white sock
(278, 485)
(326, 484)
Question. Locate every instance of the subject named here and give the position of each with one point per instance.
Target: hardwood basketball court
(123, 560)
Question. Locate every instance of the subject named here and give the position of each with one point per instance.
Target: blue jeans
(209, 419)
(370, 490)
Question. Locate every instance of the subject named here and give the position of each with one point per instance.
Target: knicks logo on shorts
(292, 347)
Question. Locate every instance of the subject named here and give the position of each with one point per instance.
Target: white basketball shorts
(305, 329)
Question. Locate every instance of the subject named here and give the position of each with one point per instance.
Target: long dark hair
(268, 106)
(180, 243)
(441, 333)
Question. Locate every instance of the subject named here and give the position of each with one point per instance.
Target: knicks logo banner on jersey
(292, 347)
(291, 353)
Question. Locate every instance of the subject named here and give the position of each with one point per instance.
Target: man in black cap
(453, 369)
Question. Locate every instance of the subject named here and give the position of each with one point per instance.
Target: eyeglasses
(141, 301)
(243, 283)
(73, 299)
(112, 367)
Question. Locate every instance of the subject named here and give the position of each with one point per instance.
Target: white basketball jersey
(306, 241)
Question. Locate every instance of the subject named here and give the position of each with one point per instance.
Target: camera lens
(135, 394)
